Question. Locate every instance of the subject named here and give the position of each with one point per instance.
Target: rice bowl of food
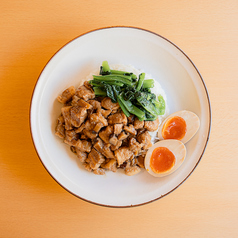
(93, 137)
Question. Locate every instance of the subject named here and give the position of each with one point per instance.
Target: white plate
(145, 50)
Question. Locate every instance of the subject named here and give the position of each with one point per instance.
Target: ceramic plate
(155, 55)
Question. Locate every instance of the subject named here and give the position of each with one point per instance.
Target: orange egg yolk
(174, 128)
(162, 160)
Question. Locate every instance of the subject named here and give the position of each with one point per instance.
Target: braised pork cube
(84, 93)
(98, 145)
(130, 171)
(117, 118)
(152, 125)
(95, 158)
(95, 104)
(59, 129)
(134, 161)
(145, 139)
(115, 147)
(88, 125)
(80, 129)
(71, 143)
(84, 145)
(103, 149)
(134, 146)
(138, 124)
(88, 85)
(117, 128)
(98, 117)
(114, 111)
(105, 133)
(122, 136)
(98, 127)
(90, 134)
(66, 112)
(122, 154)
(141, 160)
(76, 101)
(99, 171)
(87, 167)
(108, 104)
(113, 139)
(130, 129)
(70, 135)
(105, 113)
(81, 155)
(111, 165)
(131, 118)
(78, 115)
(66, 95)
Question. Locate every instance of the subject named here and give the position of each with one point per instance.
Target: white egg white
(192, 124)
(175, 146)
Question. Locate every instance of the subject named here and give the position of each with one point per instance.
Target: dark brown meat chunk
(103, 149)
(90, 134)
(108, 104)
(98, 117)
(113, 140)
(88, 125)
(138, 124)
(145, 139)
(81, 155)
(66, 112)
(134, 161)
(88, 85)
(134, 146)
(87, 166)
(141, 160)
(131, 118)
(117, 128)
(117, 118)
(70, 135)
(122, 154)
(99, 171)
(95, 158)
(111, 165)
(59, 129)
(122, 136)
(84, 145)
(104, 134)
(80, 129)
(96, 104)
(80, 102)
(130, 171)
(130, 129)
(114, 111)
(98, 127)
(115, 147)
(66, 95)
(152, 125)
(105, 113)
(78, 115)
(84, 93)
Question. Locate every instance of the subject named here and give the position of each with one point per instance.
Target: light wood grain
(32, 204)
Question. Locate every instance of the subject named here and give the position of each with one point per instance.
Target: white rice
(157, 90)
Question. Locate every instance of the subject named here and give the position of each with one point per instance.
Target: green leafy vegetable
(140, 81)
(134, 96)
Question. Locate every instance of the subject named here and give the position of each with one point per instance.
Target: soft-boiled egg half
(164, 157)
(181, 125)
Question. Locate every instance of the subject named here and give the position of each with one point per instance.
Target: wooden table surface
(32, 204)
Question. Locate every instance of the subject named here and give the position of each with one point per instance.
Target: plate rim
(200, 76)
